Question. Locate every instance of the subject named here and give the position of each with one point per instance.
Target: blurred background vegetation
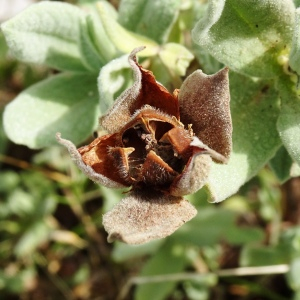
(52, 245)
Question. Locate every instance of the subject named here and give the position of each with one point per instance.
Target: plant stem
(244, 271)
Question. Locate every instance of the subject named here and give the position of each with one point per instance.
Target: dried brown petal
(157, 172)
(97, 155)
(180, 140)
(162, 155)
(145, 90)
(142, 217)
(87, 170)
(156, 95)
(146, 116)
(121, 162)
(204, 103)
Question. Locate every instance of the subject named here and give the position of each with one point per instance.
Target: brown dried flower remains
(162, 146)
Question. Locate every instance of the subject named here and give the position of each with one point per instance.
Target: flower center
(157, 140)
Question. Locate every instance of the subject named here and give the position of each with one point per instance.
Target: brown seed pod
(162, 146)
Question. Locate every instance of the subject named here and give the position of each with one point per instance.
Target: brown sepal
(146, 215)
(145, 90)
(97, 156)
(204, 103)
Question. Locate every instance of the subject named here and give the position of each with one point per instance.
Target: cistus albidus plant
(88, 48)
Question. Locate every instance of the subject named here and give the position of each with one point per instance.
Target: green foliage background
(71, 65)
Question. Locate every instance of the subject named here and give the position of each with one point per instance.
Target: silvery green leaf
(49, 33)
(295, 48)
(288, 124)
(105, 48)
(176, 58)
(65, 103)
(281, 164)
(247, 36)
(153, 19)
(255, 140)
(113, 79)
(123, 39)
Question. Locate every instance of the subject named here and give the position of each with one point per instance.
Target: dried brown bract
(162, 146)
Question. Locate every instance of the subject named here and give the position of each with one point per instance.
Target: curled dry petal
(120, 113)
(145, 90)
(98, 156)
(204, 102)
(194, 176)
(86, 169)
(144, 216)
(159, 153)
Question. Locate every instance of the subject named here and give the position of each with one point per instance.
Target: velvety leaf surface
(176, 58)
(123, 39)
(113, 79)
(208, 64)
(281, 164)
(163, 75)
(289, 119)
(254, 109)
(87, 49)
(105, 48)
(65, 103)
(150, 18)
(294, 60)
(248, 36)
(49, 33)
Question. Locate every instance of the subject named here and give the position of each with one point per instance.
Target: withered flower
(162, 146)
